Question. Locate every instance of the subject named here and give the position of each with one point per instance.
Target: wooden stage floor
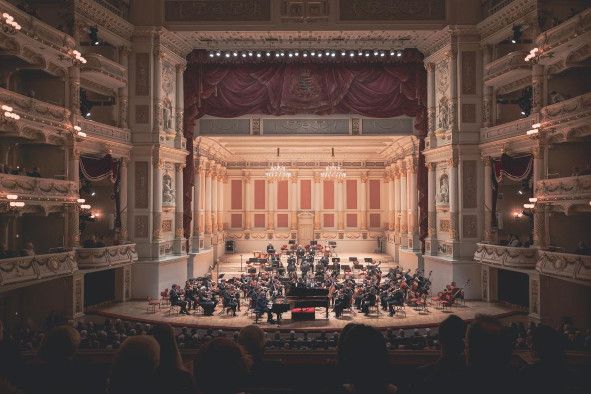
(136, 311)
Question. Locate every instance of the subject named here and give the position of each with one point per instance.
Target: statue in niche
(167, 115)
(444, 189)
(167, 191)
(443, 110)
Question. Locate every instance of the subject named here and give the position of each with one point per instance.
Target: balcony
(567, 266)
(506, 256)
(109, 256)
(103, 71)
(508, 73)
(569, 118)
(37, 41)
(515, 128)
(30, 188)
(103, 131)
(569, 189)
(39, 120)
(566, 42)
(19, 270)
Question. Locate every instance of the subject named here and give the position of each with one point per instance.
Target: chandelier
(333, 170)
(277, 172)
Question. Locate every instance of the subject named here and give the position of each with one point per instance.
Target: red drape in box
(231, 89)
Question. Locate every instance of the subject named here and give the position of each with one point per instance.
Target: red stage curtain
(231, 89)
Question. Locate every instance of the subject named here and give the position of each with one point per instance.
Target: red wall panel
(328, 194)
(236, 220)
(305, 194)
(328, 220)
(236, 200)
(282, 220)
(374, 194)
(259, 194)
(351, 194)
(351, 220)
(374, 220)
(259, 219)
(282, 195)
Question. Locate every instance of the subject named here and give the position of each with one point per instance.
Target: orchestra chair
(400, 310)
(375, 309)
(152, 303)
(422, 306)
(446, 305)
(164, 298)
(198, 310)
(349, 308)
(174, 308)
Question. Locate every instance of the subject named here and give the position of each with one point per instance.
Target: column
(271, 202)
(432, 209)
(431, 97)
(222, 179)
(72, 226)
(214, 199)
(317, 201)
(293, 201)
(340, 205)
(363, 201)
(180, 99)
(178, 208)
(488, 197)
(539, 230)
(123, 93)
(396, 200)
(413, 207)
(453, 89)
(247, 207)
(403, 204)
(391, 201)
(74, 91)
(489, 277)
(207, 201)
(453, 198)
(488, 90)
(73, 163)
(157, 91)
(157, 199)
(537, 99)
(123, 199)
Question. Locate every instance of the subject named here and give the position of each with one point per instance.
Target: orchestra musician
(270, 248)
(262, 306)
(175, 299)
(206, 301)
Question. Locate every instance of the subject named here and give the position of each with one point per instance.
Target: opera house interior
(287, 196)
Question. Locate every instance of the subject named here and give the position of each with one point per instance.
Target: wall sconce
(529, 206)
(9, 25)
(79, 131)
(12, 197)
(533, 199)
(17, 204)
(81, 201)
(85, 206)
(9, 112)
(78, 58)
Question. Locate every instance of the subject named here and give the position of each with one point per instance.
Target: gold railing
(107, 256)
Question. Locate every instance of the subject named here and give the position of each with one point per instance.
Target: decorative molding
(505, 256)
(30, 268)
(106, 257)
(207, 11)
(386, 10)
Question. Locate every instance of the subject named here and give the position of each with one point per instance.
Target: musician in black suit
(368, 299)
(262, 306)
(395, 298)
(175, 299)
(270, 248)
(342, 301)
(207, 302)
(300, 252)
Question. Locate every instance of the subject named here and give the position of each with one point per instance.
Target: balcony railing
(104, 71)
(509, 68)
(489, 7)
(106, 257)
(573, 108)
(568, 31)
(38, 188)
(40, 31)
(104, 131)
(506, 256)
(117, 7)
(562, 189)
(35, 110)
(29, 268)
(565, 265)
(514, 128)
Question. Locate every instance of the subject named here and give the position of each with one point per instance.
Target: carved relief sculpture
(444, 189)
(167, 190)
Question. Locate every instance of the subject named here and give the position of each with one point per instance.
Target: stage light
(375, 53)
(352, 54)
(305, 54)
(93, 193)
(313, 53)
(366, 54)
(258, 54)
(277, 54)
(516, 38)
(93, 35)
(227, 55)
(319, 54)
(268, 54)
(290, 54)
(399, 53)
(332, 54)
(235, 54)
(218, 54)
(392, 53)
(249, 53)
(382, 54)
(211, 54)
(360, 53)
(296, 54)
(327, 53)
(343, 53)
(282, 53)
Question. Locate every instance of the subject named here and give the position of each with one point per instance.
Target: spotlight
(243, 54)
(313, 53)
(366, 54)
(218, 53)
(319, 54)
(296, 54)
(399, 53)
(332, 54)
(382, 54)
(258, 54)
(211, 54)
(305, 54)
(277, 54)
(360, 53)
(343, 53)
(93, 36)
(249, 53)
(392, 53)
(375, 53)
(227, 54)
(352, 54)
(290, 54)
(234, 53)
(282, 53)
(268, 54)
(327, 53)
(516, 38)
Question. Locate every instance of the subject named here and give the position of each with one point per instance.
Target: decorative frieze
(106, 257)
(506, 256)
(29, 268)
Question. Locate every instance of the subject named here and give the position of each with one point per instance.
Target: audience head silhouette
(488, 344)
(451, 335)
(135, 365)
(60, 344)
(547, 344)
(170, 357)
(221, 367)
(252, 339)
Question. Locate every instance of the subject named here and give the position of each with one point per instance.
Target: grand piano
(305, 297)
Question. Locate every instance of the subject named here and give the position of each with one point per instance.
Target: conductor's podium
(303, 314)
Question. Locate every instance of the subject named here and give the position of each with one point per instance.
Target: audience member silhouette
(172, 375)
(11, 363)
(59, 372)
(362, 361)
(444, 374)
(221, 367)
(135, 366)
(489, 349)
